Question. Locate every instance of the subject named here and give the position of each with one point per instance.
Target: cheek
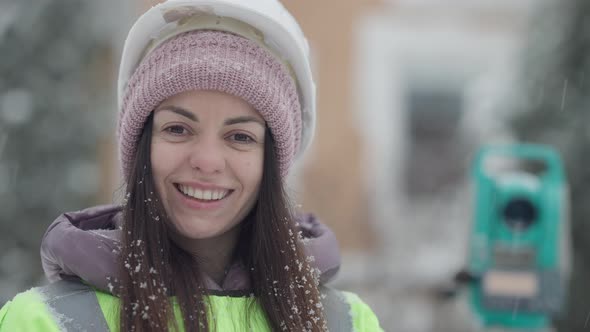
(163, 162)
(251, 172)
(156, 160)
(246, 168)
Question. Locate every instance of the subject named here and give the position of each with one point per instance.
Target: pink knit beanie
(212, 60)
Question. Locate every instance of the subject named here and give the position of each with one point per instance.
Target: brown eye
(175, 130)
(241, 138)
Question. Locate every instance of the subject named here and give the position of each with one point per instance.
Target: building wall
(332, 176)
(429, 80)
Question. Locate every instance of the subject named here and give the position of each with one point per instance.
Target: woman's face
(207, 157)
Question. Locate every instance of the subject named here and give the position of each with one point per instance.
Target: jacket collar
(85, 244)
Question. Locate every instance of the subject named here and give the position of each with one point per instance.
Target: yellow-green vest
(74, 306)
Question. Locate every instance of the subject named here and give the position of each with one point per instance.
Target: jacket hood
(85, 244)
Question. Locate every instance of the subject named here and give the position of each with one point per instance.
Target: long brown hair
(153, 268)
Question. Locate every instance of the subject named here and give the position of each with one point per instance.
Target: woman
(216, 103)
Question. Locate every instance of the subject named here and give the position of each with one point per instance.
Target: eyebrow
(244, 119)
(228, 122)
(181, 111)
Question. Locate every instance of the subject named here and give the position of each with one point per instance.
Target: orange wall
(332, 182)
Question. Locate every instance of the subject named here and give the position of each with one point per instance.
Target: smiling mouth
(202, 195)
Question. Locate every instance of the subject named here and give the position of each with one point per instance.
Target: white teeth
(198, 193)
(203, 194)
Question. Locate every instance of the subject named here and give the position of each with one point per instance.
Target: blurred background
(407, 92)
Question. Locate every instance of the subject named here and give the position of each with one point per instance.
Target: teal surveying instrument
(519, 247)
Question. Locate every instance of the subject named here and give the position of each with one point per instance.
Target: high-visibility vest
(78, 304)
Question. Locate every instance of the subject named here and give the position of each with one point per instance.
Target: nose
(207, 156)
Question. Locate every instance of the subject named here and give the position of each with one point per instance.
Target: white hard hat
(275, 26)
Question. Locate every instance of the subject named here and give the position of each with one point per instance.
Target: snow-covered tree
(56, 104)
(553, 103)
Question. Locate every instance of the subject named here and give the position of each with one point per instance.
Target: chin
(199, 233)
